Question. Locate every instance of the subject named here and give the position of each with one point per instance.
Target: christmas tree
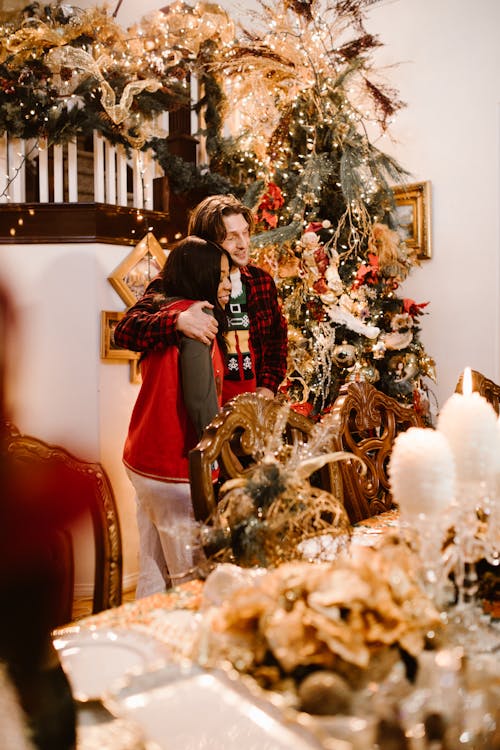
(305, 106)
(307, 97)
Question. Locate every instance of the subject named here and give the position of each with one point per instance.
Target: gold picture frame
(134, 273)
(109, 350)
(135, 371)
(413, 215)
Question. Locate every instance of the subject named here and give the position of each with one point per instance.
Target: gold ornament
(364, 371)
(404, 367)
(369, 373)
(344, 354)
(428, 367)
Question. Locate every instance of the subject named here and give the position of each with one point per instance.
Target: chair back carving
(484, 386)
(91, 480)
(365, 422)
(235, 438)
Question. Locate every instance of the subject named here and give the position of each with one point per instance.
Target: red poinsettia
(414, 308)
(270, 204)
(368, 272)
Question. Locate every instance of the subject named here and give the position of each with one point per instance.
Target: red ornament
(304, 408)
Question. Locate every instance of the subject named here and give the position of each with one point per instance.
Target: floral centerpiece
(353, 618)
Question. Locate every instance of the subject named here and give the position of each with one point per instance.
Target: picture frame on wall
(134, 273)
(109, 350)
(413, 215)
(135, 371)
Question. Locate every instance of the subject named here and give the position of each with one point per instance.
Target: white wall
(59, 388)
(449, 75)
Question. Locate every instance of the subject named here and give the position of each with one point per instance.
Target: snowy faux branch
(342, 316)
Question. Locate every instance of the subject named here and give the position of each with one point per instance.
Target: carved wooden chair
(88, 484)
(235, 438)
(484, 386)
(365, 422)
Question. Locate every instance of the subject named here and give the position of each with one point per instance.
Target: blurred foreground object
(33, 513)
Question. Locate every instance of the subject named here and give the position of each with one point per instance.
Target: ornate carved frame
(109, 350)
(365, 422)
(413, 211)
(129, 279)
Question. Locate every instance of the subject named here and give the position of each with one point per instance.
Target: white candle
(469, 423)
(422, 473)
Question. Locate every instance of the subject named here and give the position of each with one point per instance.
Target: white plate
(94, 659)
(187, 708)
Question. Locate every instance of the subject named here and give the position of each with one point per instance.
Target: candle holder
(470, 424)
(422, 476)
(449, 511)
(426, 537)
(475, 538)
(492, 516)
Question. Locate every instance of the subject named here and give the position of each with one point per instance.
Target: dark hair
(207, 218)
(192, 271)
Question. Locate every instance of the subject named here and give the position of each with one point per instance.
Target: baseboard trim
(130, 582)
(86, 590)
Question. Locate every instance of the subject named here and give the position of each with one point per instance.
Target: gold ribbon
(74, 57)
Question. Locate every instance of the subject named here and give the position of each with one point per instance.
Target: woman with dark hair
(180, 394)
(256, 355)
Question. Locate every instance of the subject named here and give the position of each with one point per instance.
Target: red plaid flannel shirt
(144, 327)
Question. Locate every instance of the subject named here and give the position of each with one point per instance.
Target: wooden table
(167, 618)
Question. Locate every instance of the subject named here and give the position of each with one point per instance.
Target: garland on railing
(67, 71)
(186, 177)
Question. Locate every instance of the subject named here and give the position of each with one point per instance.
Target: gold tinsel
(77, 59)
(299, 59)
(35, 36)
(185, 28)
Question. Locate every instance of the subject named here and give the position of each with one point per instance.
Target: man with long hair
(257, 336)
